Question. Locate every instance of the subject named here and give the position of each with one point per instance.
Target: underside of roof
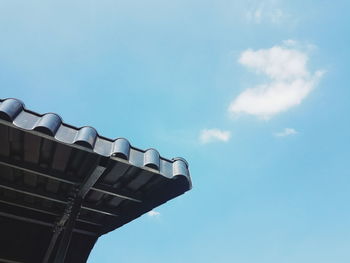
(46, 165)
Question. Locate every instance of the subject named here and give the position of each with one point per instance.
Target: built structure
(62, 187)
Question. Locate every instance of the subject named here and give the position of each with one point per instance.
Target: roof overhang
(51, 172)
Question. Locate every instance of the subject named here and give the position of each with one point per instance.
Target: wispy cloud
(290, 42)
(286, 132)
(212, 135)
(277, 15)
(266, 12)
(290, 81)
(153, 213)
(254, 15)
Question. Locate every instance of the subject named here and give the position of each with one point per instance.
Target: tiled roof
(42, 161)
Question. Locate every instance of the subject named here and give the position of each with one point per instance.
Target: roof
(46, 165)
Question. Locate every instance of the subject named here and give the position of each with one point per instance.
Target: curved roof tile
(51, 124)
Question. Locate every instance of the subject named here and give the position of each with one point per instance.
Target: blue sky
(254, 94)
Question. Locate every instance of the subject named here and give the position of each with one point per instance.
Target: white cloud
(153, 213)
(286, 132)
(277, 62)
(290, 81)
(211, 135)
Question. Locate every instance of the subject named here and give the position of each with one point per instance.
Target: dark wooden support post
(68, 230)
(67, 220)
